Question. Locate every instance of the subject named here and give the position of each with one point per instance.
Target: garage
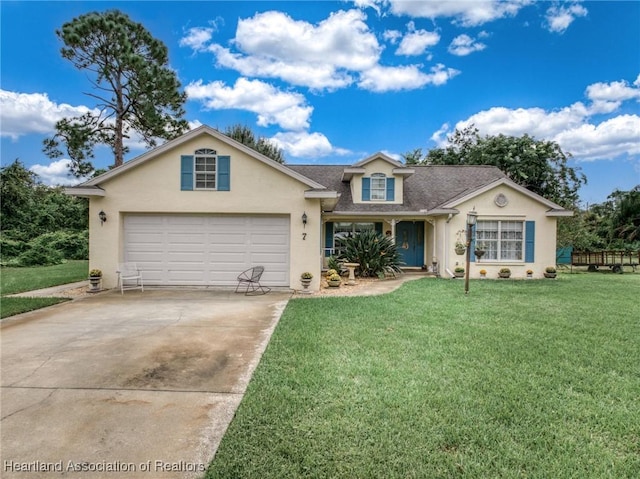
(207, 250)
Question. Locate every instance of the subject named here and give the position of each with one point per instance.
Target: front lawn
(18, 280)
(531, 379)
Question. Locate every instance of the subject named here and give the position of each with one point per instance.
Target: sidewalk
(70, 290)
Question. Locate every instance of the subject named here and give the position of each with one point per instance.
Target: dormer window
(378, 186)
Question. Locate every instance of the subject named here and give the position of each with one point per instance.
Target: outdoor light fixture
(472, 217)
(304, 219)
(103, 217)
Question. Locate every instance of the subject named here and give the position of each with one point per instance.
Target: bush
(40, 255)
(376, 254)
(11, 247)
(72, 245)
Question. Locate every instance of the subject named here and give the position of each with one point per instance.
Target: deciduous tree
(540, 166)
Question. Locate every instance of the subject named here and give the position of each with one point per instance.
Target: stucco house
(200, 209)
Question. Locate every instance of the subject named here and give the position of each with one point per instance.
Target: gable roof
(90, 185)
(429, 188)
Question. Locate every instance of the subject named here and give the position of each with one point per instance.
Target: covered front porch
(414, 237)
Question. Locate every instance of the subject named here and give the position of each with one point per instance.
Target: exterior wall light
(304, 220)
(103, 217)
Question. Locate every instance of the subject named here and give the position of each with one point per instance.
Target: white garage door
(207, 249)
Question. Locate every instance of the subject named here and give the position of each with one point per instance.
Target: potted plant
(480, 251)
(458, 272)
(550, 272)
(483, 273)
(529, 273)
(334, 280)
(95, 276)
(305, 279)
(504, 273)
(460, 246)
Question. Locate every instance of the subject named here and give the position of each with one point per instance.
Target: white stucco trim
(513, 185)
(84, 192)
(188, 137)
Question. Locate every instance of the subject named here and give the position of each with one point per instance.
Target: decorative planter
(483, 275)
(334, 283)
(479, 253)
(504, 275)
(529, 275)
(460, 250)
(94, 281)
(550, 275)
(305, 284)
(458, 274)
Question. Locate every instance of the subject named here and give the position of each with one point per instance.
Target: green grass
(18, 280)
(532, 379)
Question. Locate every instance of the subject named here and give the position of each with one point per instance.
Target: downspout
(446, 246)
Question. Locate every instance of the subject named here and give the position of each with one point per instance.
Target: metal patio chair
(251, 278)
(129, 277)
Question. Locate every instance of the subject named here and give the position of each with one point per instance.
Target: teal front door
(410, 242)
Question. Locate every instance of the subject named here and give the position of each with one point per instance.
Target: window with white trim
(342, 230)
(378, 186)
(502, 240)
(205, 169)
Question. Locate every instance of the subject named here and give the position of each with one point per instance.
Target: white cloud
(316, 76)
(328, 55)
(273, 106)
(25, 113)
(416, 42)
(466, 13)
(56, 173)
(382, 79)
(302, 144)
(559, 18)
(197, 38)
(392, 36)
(274, 45)
(572, 127)
(463, 45)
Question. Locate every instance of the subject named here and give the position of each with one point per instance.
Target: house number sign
(304, 236)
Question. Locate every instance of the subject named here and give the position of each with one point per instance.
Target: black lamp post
(472, 217)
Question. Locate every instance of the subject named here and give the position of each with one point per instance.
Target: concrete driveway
(137, 386)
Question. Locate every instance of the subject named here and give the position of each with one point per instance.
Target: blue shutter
(529, 241)
(224, 173)
(186, 172)
(472, 245)
(366, 189)
(391, 186)
(328, 237)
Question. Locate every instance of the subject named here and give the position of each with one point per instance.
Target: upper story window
(205, 169)
(502, 240)
(378, 186)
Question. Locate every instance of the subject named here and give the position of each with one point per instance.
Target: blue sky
(334, 82)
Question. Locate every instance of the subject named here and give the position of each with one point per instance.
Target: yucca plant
(376, 254)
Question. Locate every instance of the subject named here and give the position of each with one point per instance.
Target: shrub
(72, 245)
(40, 255)
(331, 272)
(376, 254)
(306, 275)
(459, 269)
(550, 269)
(12, 247)
(333, 263)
